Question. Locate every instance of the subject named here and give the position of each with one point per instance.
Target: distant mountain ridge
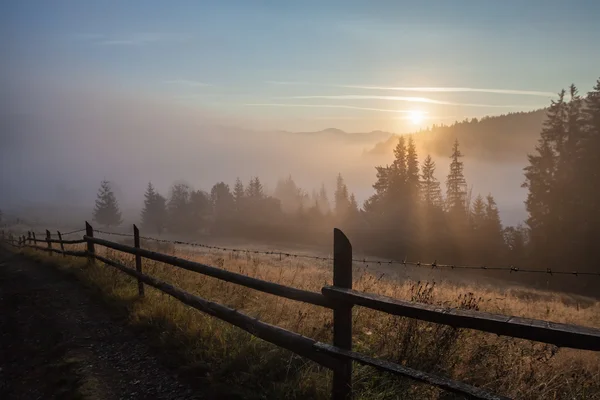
(354, 138)
(505, 137)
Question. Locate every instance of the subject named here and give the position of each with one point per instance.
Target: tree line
(410, 214)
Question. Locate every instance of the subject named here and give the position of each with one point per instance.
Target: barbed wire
(72, 232)
(405, 262)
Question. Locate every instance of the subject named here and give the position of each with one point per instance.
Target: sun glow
(416, 117)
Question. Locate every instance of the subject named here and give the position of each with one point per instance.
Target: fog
(59, 141)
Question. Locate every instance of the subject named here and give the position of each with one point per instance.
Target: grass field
(222, 355)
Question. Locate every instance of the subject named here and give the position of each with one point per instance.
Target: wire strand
(405, 263)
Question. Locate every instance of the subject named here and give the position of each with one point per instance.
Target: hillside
(507, 137)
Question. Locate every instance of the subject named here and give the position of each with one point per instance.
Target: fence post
(29, 239)
(342, 315)
(48, 238)
(91, 250)
(138, 258)
(34, 239)
(62, 245)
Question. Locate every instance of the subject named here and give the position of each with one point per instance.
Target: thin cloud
(406, 99)
(286, 83)
(328, 106)
(185, 82)
(138, 39)
(452, 90)
(427, 89)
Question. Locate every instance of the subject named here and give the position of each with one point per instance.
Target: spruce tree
(478, 215)
(323, 200)
(493, 227)
(154, 213)
(431, 193)
(106, 210)
(456, 185)
(239, 194)
(179, 208)
(342, 201)
(223, 202)
(412, 170)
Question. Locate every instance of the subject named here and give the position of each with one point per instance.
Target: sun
(416, 117)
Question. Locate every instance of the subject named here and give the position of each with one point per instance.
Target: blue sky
(307, 65)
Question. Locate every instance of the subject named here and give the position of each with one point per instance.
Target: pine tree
(493, 226)
(400, 160)
(478, 215)
(239, 194)
(179, 208)
(431, 193)
(106, 210)
(223, 202)
(342, 201)
(412, 169)
(154, 213)
(323, 200)
(589, 171)
(254, 190)
(456, 185)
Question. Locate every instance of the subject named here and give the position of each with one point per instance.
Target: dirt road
(57, 342)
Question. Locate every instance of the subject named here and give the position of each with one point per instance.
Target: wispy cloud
(328, 106)
(405, 99)
(452, 90)
(286, 83)
(185, 82)
(133, 39)
(426, 89)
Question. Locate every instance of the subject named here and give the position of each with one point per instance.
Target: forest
(412, 213)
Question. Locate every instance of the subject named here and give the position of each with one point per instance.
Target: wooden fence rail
(340, 297)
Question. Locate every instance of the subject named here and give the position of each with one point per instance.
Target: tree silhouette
(430, 187)
(456, 185)
(154, 213)
(106, 210)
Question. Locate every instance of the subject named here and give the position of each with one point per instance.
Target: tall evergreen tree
(323, 200)
(412, 170)
(154, 213)
(239, 194)
(456, 185)
(431, 193)
(493, 227)
(106, 210)
(223, 201)
(589, 171)
(179, 208)
(478, 215)
(342, 201)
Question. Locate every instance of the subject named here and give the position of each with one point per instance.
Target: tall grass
(238, 364)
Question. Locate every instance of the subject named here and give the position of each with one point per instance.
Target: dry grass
(222, 355)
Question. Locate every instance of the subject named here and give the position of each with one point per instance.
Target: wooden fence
(340, 298)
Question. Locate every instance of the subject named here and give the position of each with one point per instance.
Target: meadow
(242, 366)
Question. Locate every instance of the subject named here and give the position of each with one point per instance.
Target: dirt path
(56, 342)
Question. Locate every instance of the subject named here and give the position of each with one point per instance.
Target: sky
(306, 65)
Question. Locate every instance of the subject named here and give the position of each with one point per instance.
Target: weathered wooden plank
(562, 335)
(342, 315)
(62, 244)
(77, 241)
(228, 276)
(435, 380)
(292, 341)
(138, 259)
(48, 240)
(91, 250)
